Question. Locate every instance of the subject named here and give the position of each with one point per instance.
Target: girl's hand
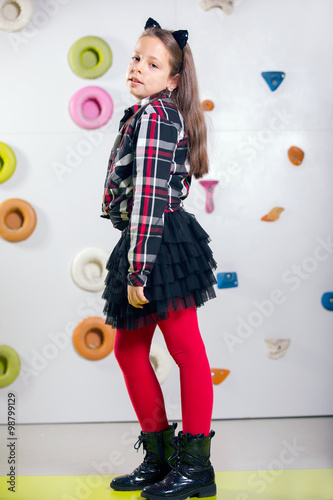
(136, 296)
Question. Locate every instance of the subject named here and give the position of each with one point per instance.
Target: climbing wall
(265, 83)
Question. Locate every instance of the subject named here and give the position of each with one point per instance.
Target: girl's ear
(173, 82)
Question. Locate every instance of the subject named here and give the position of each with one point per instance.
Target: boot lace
(176, 454)
(149, 457)
(139, 442)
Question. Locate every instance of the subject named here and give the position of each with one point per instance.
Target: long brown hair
(186, 97)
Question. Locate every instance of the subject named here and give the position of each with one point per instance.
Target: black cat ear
(181, 37)
(151, 23)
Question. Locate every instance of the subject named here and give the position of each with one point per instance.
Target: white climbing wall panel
(283, 267)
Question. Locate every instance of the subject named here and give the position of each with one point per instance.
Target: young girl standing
(161, 269)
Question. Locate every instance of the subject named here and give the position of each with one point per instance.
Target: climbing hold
(161, 361)
(218, 375)
(276, 348)
(273, 215)
(89, 268)
(90, 57)
(93, 339)
(7, 162)
(10, 365)
(15, 14)
(227, 280)
(91, 107)
(327, 301)
(207, 105)
(17, 219)
(226, 5)
(296, 155)
(273, 78)
(209, 187)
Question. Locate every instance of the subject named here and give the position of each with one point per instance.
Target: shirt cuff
(137, 279)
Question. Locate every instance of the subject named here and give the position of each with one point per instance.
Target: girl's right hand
(136, 296)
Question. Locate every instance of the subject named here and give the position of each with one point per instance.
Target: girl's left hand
(136, 296)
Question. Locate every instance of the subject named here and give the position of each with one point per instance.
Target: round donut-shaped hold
(10, 365)
(161, 362)
(90, 57)
(17, 219)
(207, 105)
(93, 339)
(7, 162)
(15, 14)
(89, 269)
(327, 301)
(91, 107)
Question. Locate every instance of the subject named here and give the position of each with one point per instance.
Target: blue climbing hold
(327, 301)
(273, 78)
(227, 280)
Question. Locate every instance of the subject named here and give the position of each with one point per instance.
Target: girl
(160, 271)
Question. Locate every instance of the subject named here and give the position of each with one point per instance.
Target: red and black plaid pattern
(147, 175)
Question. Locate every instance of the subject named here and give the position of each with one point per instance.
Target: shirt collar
(133, 109)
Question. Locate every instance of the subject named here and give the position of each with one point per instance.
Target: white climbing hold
(276, 348)
(161, 361)
(226, 5)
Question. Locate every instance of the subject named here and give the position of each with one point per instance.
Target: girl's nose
(138, 68)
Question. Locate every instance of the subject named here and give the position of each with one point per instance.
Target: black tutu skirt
(182, 275)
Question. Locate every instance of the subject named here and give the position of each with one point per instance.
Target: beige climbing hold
(276, 348)
(226, 5)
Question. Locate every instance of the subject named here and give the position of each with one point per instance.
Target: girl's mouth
(135, 81)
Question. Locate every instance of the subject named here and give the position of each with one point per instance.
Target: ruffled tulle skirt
(182, 275)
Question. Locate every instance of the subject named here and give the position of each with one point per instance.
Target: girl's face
(149, 69)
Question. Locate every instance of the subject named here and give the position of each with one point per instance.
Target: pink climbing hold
(209, 187)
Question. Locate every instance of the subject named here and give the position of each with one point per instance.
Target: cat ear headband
(180, 36)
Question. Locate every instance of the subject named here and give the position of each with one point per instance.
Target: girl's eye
(153, 65)
(136, 58)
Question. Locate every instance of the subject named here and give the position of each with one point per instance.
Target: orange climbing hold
(218, 375)
(296, 155)
(17, 219)
(207, 105)
(273, 215)
(93, 339)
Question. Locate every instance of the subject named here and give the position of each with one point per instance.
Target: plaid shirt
(147, 175)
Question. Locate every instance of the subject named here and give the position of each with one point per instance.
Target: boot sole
(204, 491)
(120, 487)
(128, 488)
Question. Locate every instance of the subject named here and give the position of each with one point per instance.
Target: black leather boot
(192, 475)
(159, 447)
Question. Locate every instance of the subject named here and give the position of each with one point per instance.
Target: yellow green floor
(303, 484)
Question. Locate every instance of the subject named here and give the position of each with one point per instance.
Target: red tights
(183, 339)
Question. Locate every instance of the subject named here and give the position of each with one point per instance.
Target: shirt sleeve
(154, 152)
